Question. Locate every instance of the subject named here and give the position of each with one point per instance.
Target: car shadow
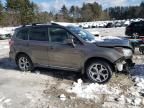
(6, 64)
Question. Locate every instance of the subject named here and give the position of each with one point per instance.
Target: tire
(135, 35)
(97, 75)
(24, 63)
(142, 52)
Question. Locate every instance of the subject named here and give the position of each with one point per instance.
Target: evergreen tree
(1, 12)
(64, 12)
(24, 10)
(141, 13)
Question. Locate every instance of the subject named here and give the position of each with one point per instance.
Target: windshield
(83, 34)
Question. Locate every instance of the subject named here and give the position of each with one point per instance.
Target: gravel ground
(48, 88)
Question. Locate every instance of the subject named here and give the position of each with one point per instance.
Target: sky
(49, 5)
(55, 5)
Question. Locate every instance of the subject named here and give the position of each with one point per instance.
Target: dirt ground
(43, 87)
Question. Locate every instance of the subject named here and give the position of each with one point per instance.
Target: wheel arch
(89, 60)
(21, 53)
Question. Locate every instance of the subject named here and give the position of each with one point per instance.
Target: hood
(119, 42)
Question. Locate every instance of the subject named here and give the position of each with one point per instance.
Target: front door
(61, 54)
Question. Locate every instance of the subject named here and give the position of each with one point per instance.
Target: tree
(21, 10)
(26, 11)
(141, 13)
(64, 12)
(44, 17)
(91, 11)
(1, 11)
(86, 12)
(97, 10)
(127, 12)
(1, 7)
(72, 11)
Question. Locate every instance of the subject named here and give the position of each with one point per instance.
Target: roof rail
(23, 25)
(32, 24)
(35, 24)
(53, 23)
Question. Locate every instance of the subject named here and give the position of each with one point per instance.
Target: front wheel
(141, 49)
(99, 72)
(135, 35)
(24, 63)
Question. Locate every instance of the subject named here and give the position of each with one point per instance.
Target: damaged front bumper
(124, 65)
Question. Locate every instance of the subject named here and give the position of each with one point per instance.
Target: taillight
(11, 42)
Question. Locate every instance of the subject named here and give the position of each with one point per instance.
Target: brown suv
(69, 48)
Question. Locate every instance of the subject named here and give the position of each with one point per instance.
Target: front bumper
(124, 65)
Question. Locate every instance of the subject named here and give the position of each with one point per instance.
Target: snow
(65, 23)
(7, 30)
(62, 97)
(101, 24)
(132, 96)
(5, 102)
(121, 99)
(91, 91)
(112, 37)
(96, 33)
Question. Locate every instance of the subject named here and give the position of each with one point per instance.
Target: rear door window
(38, 34)
(22, 34)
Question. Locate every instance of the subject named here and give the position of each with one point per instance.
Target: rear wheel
(24, 63)
(142, 51)
(99, 71)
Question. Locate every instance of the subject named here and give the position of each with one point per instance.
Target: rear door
(21, 40)
(38, 44)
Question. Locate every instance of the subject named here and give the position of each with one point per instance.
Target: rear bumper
(11, 56)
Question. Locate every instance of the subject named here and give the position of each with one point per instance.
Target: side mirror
(70, 41)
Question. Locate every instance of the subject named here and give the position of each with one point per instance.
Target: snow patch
(62, 97)
(91, 91)
(133, 96)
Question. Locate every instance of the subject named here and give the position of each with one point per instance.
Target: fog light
(119, 66)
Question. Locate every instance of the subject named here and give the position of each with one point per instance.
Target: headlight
(125, 51)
